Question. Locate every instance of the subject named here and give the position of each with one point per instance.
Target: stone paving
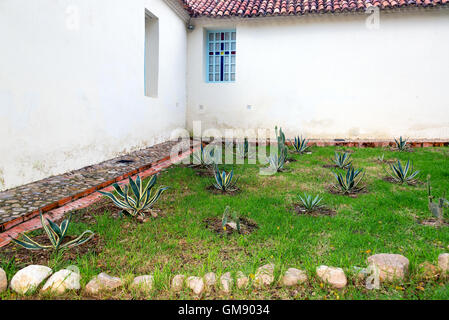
(29, 198)
(58, 213)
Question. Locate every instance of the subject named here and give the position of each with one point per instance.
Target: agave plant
(309, 202)
(349, 182)
(300, 144)
(204, 157)
(401, 144)
(341, 160)
(56, 234)
(230, 218)
(139, 200)
(243, 149)
(224, 181)
(402, 174)
(381, 158)
(276, 162)
(436, 208)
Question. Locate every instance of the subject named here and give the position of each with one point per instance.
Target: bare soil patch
(247, 226)
(345, 150)
(203, 171)
(353, 194)
(321, 211)
(214, 190)
(300, 153)
(409, 149)
(385, 161)
(24, 256)
(87, 215)
(433, 222)
(391, 180)
(100, 208)
(330, 166)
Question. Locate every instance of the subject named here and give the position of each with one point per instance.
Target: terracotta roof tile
(253, 8)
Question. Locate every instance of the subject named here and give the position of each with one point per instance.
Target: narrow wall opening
(151, 54)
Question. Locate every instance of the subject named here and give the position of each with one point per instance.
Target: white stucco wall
(72, 84)
(329, 76)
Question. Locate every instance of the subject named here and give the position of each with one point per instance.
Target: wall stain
(2, 179)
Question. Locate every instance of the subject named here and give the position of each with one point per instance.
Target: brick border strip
(61, 202)
(85, 201)
(354, 143)
(375, 144)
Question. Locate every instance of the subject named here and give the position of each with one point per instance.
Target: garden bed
(22, 257)
(179, 241)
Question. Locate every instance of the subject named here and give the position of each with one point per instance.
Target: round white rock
(29, 278)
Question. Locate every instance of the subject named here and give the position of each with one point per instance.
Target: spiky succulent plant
(341, 160)
(276, 162)
(381, 158)
(349, 182)
(243, 149)
(204, 156)
(135, 198)
(224, 181)
(309, 202)
(401, 174)
(300, 144)
(401, 144)
(55, 234)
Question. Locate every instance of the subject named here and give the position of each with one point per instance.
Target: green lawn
(384, 220)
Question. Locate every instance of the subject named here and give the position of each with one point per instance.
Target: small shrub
(341, 160)
(402, 174)
(309, 202)
(224, 181)
(141, 198)
(276, 162)
(55, 234)
(300, 145)
(348, 183)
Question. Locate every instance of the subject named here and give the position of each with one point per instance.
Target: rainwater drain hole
(125, 161)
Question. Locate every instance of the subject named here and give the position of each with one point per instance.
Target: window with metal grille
(221, 51)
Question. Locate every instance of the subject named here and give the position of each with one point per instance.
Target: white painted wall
(329, 76)
(72, 84)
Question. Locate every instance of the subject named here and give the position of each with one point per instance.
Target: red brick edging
(374, 144)
(81, 200)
